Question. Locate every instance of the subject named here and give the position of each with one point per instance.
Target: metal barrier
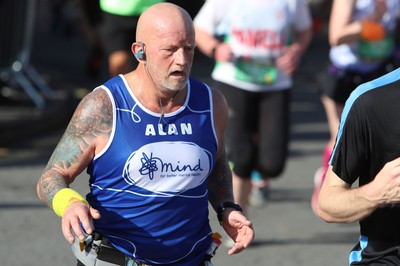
(17, 18)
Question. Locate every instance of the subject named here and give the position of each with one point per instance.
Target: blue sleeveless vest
(150, 182)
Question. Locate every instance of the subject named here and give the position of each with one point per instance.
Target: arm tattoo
(92, 120)
(220, 183)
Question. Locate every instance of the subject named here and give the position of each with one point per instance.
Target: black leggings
(341, 83)
(257, 135)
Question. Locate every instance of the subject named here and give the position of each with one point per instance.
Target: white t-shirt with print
(257, 31)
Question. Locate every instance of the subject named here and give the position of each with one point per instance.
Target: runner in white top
(257, 45)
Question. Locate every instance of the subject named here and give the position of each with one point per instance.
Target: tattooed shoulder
(91, 122)
(94, 114)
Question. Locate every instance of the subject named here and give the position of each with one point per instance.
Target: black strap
(111, 255)
(108, 253)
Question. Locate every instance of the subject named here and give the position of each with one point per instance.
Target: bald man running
(152, 142)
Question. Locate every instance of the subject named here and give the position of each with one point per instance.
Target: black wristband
(225, 205)
(213, 50)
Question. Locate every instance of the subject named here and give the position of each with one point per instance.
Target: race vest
(376, 50)
(262, 72)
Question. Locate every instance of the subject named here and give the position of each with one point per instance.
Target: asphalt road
(287, 231)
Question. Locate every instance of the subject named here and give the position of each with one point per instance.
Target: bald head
(165, 37)
(161, 19)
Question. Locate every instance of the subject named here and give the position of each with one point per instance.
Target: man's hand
(385, 189)
(77, 217)
(239, 228)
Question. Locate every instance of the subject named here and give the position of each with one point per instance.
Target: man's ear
(138, 51)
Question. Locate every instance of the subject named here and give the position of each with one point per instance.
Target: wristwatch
(213, 50)
(223, 206)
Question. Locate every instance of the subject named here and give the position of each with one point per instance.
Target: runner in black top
(368, 149)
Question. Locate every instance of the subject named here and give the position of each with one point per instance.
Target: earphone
(141, 54)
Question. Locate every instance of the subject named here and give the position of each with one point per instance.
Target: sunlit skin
(168, 34)
(342, 29)
(170, 55)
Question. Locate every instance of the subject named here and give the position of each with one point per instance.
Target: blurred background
(51, 56)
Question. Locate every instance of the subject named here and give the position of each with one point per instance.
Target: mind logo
(168, 166)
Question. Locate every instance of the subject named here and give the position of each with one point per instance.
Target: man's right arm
(90, 125)
(86, 134)
(339, 203)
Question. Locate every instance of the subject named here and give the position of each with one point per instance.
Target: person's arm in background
(205, 23)
(85, 136)
(291, 57)
(212, 47)
(236, 225)
(298, 39)
(342, 30)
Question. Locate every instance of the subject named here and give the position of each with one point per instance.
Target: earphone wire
(163, 109)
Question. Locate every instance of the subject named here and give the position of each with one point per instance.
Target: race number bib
(262, 72)
(376, 50)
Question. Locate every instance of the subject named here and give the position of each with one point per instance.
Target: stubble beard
(172, 87)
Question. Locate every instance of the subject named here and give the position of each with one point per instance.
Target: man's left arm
(220, 183)
(236, 225)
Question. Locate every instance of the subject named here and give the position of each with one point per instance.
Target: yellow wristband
(64, 198)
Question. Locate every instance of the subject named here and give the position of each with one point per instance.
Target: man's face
(169, 58)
